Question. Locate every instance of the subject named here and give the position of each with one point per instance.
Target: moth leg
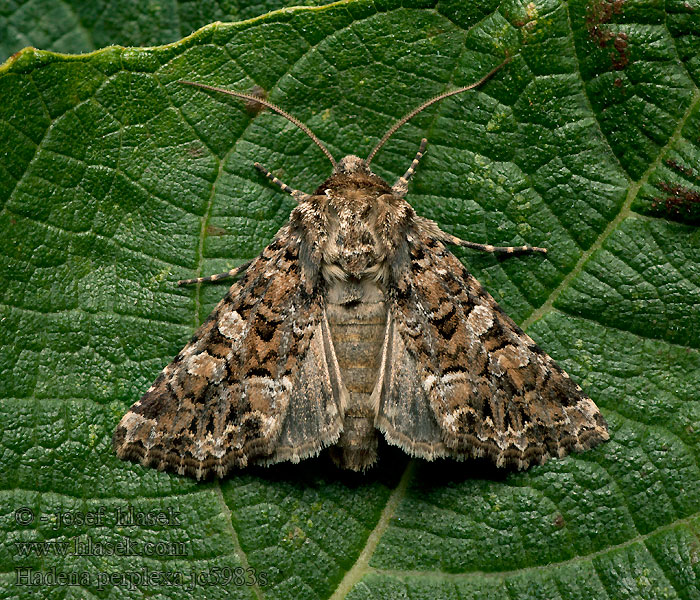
(451, 239)
(400, 188)
(298, 195)
(218, 277)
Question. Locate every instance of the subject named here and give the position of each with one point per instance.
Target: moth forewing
(357, 320)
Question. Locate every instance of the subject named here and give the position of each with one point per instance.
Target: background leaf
(115, 181)
(77, 26)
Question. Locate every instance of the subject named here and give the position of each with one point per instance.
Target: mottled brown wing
(462, 379)
(257, 383)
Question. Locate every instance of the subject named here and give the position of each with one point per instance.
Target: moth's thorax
(352, 224)
(352, 248)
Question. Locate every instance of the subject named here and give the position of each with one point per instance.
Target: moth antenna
(430, 102)
(277, 109)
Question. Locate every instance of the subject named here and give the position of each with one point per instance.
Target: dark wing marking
(257, 383)
(490, 389)
(317, 401)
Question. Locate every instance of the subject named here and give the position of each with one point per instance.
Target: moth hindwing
(357, 320)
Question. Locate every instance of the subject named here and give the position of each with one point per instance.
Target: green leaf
(77, 26)
(115, 181)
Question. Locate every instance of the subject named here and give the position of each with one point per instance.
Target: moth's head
(350, 165)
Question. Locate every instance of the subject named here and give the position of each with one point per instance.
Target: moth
(357, 321)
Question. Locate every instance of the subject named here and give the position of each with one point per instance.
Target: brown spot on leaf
(253, 108)
(680, 200)
(435, 31)
(681, 169)
(530, 22)
(195, 150)
(598, 14)
(214, 230)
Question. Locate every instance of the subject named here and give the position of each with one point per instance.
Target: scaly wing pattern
(480, 386)
(257, 383)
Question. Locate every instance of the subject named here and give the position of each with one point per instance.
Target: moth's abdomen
(358, 332)
(357, 322)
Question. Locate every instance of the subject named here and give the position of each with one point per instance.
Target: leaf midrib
(361, 565)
